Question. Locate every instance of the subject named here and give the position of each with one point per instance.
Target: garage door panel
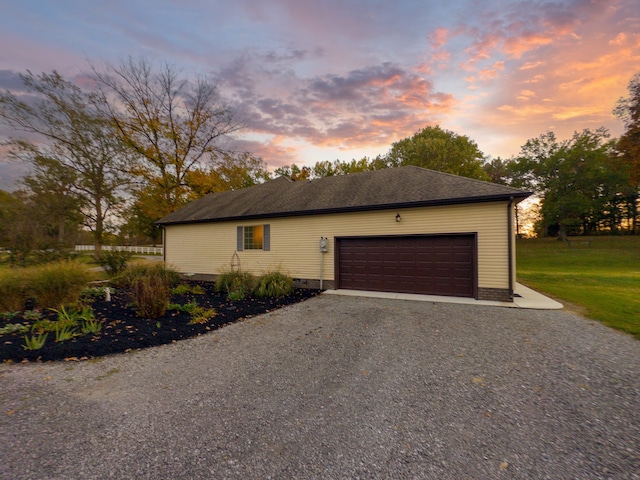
(438, 265)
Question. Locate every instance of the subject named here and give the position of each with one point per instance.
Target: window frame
(241, 241)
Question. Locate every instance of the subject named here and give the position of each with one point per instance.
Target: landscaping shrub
(150, 288)
(50, 255)
(114, 263)
(12, 290)
(273, 284)
(56, 284)
(136, 270)
(150, 296)
(237, 284)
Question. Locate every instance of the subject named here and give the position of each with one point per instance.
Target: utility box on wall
(324, 245)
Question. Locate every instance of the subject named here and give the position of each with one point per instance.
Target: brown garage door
(433, 265)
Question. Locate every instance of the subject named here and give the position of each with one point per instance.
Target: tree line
(139, 140)
(135, 144)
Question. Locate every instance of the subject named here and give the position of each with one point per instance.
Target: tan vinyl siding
(208, 248)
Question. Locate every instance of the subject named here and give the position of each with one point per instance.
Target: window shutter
(240, 242)
(266, 237)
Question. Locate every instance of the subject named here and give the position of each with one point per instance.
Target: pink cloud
(273, 151)
(365, 107)
(438, 38)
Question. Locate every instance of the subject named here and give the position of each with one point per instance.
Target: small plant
(236, 296)
(32, 315)
(181, 289)
(185, 288)
(91, 326)
(13, 327)
(201, 315)
(190, 307)
(43, 325)
(65, 333)
(86, 313)
(91, 293)
(273, 284)
(35, 342)
(9, 315)
(67, 317)
(114, 263)
(198, 314)
(65, 327)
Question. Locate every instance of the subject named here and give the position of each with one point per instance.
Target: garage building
(405, 229)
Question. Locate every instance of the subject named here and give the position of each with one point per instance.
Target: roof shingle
(400, 187)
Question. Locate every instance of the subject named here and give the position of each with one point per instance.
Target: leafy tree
(533, 169)
(327, 169)
(18, 232)
(293, 171)
(432, 148)
(231, 173)
(441, 150)
(577, 180)
(75, 137)
(504, 172)
(173, 125)
(628, 148)
(50, 187)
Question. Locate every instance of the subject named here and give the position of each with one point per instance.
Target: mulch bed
(123, 331)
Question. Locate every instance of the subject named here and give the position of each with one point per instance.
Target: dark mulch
(123, 331)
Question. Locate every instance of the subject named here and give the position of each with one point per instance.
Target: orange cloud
(517, 46)
(526, 95)
(530, 65)
(535, 79)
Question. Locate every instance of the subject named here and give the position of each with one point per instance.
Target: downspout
(510, 247)
(164, 245)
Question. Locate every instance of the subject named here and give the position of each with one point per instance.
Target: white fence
(121, 248)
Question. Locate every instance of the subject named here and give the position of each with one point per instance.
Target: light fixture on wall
(398, 218)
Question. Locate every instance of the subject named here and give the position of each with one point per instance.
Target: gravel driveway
(339, 387)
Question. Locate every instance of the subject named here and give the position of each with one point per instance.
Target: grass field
(601, 279)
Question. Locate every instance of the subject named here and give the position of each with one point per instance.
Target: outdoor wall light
(398, 218)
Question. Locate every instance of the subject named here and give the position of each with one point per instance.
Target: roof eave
(516, 196)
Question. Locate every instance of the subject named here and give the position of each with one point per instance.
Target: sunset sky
(343, 79)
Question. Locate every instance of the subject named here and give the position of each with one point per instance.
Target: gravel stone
(339, 387)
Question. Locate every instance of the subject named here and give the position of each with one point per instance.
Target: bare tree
(174, 125)
(74, 133)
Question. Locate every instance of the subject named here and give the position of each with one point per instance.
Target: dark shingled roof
(381, 189)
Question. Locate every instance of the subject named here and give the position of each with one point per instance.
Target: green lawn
(603, 278)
